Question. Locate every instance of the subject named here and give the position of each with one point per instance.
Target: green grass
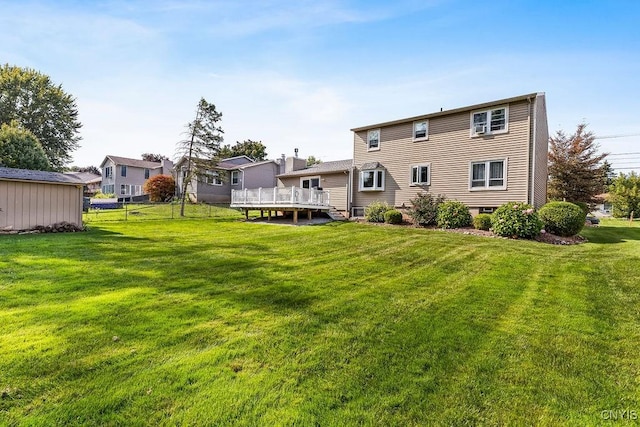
(219, 322)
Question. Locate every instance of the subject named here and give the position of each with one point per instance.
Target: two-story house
(125, 177)
(483, 155)
(233, 173)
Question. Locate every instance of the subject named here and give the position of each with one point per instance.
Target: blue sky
(300, 74)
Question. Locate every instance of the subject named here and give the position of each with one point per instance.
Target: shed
(29, 198)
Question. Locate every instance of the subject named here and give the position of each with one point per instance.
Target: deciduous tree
(624, 195)
(575, 167)
(160, 188)
(150, 157)
(43, 108)
(20, 149)
(252, 149)
(201, 148)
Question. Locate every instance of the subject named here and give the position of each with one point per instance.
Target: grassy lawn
(216, 322)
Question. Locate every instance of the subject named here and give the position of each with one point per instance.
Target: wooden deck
(280, 199)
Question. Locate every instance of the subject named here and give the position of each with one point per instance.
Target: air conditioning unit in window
(480, 129)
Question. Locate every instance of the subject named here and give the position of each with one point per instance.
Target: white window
(373, 139)
(124, 189)
(214, 178)
(108, 189)
(488, 175)
(421, 130)
(108, 172)
(235, 177)
(372, 180)
(489, 122)
(310, 182)
(421, 174)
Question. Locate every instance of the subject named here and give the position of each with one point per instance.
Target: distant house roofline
(453, 111)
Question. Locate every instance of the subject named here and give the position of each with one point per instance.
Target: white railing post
(328, 196)
(293, 194)
(275, 195)
(245, 196)
(260, 195)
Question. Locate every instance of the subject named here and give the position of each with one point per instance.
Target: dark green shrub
(453, 214)
(516, 219)
(562, 218)
(583, 206)
(424, 208)
(393, 217)
(482, 222)
(375, 211)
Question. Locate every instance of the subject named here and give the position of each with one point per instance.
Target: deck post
(246, 213)
(261, 213)
(309, 214)
(295, 216)
(269, 215)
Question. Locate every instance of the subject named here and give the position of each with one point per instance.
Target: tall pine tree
(576, 168)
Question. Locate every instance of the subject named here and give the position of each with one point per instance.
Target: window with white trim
(421, 130)
(373, 139)
(124, 189)
(488, 175)
(372, 180)
(235, 177)
(310, 182)
(421, 174)
(489, 122)
(108, 172)
(214, 178)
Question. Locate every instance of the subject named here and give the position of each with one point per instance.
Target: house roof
(322, 168)
(371, 165)
(86, 177)
(229, 163)
(454, 111)
(131, 162)
(250, 165)
(11, 174)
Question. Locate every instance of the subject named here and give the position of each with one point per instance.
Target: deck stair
(335, 215)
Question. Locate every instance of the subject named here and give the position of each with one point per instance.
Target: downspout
(350, 190)
(532, 151)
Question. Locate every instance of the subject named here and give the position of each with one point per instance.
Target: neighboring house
(234, 173)
(92, 183)
(483, 155)
(30, 198)
(333, 177)
(125, 177)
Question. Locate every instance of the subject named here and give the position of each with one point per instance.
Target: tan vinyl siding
(24, 205)
(334, 183)
(449, 150)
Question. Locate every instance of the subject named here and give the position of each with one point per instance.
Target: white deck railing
(280, 196)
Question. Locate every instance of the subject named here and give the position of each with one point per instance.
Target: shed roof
(322, 168)
(11, 174)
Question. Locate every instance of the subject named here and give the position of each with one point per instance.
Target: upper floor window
(372, 180)
(489, 121)
(373, 139)
(311, 182)
(235, 177)
(146, 174)
(421, 130)
(420, 175)
(108, 172)
(488, 175)
(123, 170)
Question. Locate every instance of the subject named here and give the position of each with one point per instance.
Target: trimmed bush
(375, 211)
(424, 208)
(453, 214)
(583, 206)
(482, 222)
(393, 217)
(562, 218)
(516, 219)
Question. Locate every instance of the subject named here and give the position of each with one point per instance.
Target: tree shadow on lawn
(606, 235)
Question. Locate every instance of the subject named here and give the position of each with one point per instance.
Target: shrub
(375, 211)
(160, 188)
(516, 219)
(562, 218)
(424, 208)
(583, 206)
(393, 217)
(482, 221)
(453, 214)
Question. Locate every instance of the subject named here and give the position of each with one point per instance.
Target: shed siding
(541, 138)
(449, 150)
(25, 205)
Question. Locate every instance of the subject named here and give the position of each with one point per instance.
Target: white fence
(280, 196)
